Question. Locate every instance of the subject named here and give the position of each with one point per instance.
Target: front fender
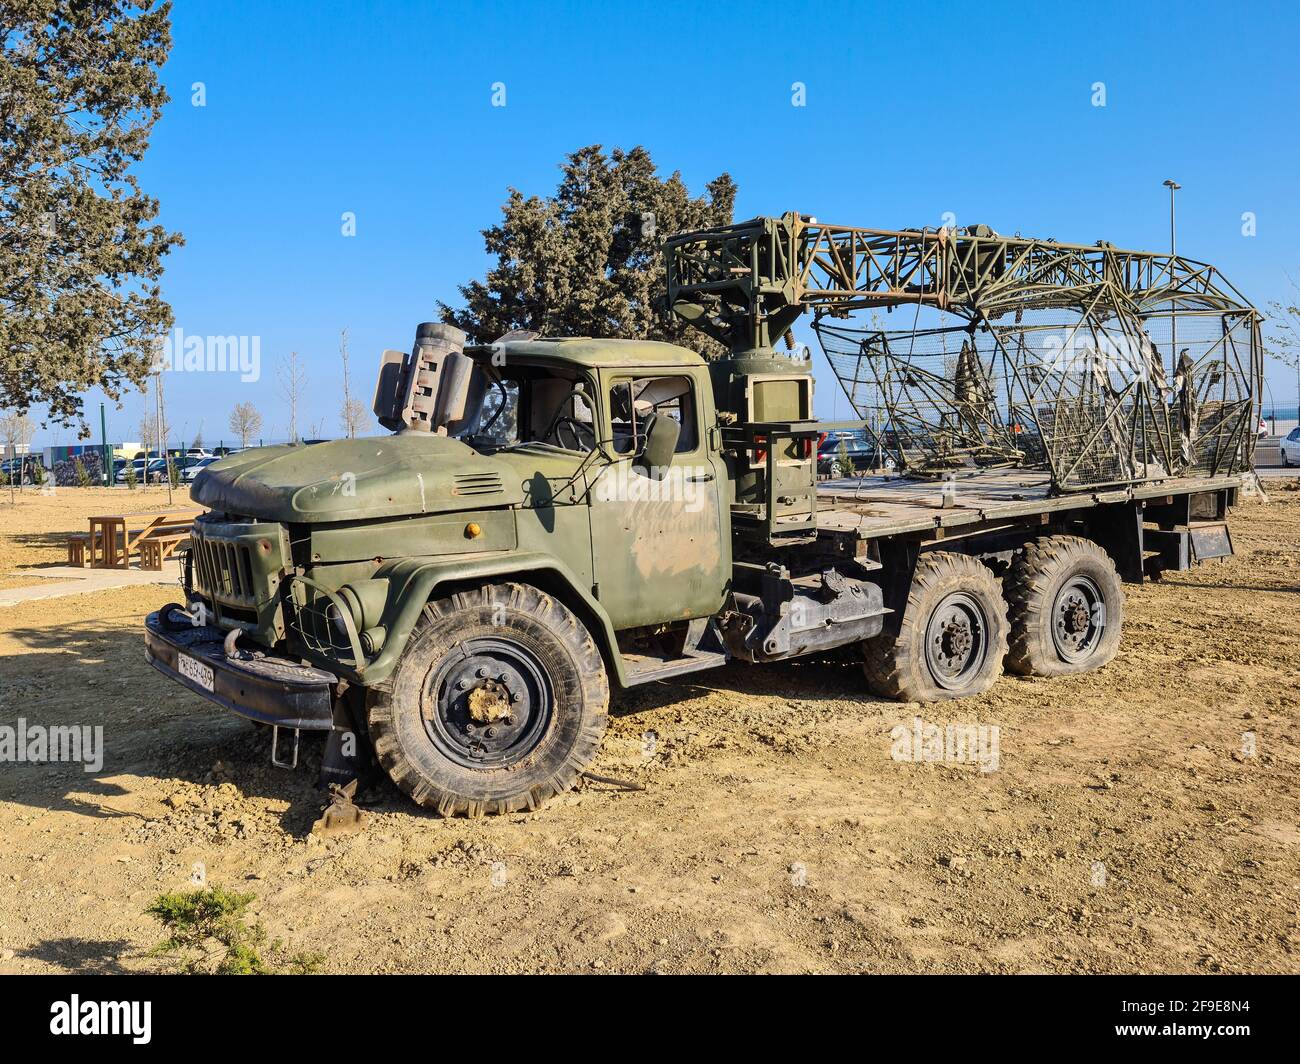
(414, 581)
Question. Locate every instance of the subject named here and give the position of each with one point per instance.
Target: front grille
(224, 570)
(476, 484)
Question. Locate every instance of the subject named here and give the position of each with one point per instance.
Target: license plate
(196, 671)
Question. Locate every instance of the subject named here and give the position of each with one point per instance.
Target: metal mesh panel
(1095, 394)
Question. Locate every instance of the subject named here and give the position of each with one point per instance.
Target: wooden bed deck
(890, 505)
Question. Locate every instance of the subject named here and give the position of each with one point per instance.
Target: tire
(472, 661)
(953, 634)
(1066, 607)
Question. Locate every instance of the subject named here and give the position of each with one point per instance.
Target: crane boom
(741, 283)
(1103, 365)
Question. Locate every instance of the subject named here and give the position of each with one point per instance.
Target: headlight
(364, 600)
(335, 617)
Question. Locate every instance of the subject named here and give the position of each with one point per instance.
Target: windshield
(516, 405)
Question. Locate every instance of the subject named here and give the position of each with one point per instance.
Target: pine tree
(80, 252)
(586, 261)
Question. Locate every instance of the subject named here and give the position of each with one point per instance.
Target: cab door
(660, 549)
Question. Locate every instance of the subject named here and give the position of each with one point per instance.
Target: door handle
(702, 478)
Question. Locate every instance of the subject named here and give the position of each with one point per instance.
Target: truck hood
(382, 476)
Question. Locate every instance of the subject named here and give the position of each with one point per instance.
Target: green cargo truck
(556, 517)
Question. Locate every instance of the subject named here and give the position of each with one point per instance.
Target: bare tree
(16, 430)
(293, 378)
(354, 416)
(1284, 343)
(149, 432)
(353, 412)
(245, 422)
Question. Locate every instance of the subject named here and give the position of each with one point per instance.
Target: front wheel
(952, 636)
(498, 703)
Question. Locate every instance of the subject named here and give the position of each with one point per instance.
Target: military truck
(556, 517)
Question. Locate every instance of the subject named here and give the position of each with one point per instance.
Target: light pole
(162, 437)
(1173, 187)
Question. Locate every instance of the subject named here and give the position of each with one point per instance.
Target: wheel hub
(957, 639)
(956, 643)
(489, 702)
(1079, 619)
(488, 708)
(1076, 615)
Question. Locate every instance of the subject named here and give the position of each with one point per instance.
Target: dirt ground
(34, 528)
(1141, 819)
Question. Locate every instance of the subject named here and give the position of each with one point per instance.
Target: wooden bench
(160, 545)
(77, 549)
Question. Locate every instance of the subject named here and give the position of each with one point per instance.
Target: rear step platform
(1180, 548)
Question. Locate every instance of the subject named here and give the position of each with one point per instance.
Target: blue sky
(314, 109)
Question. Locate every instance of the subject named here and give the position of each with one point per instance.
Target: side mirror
(660, 442)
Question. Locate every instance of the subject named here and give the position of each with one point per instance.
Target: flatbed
(873, 507)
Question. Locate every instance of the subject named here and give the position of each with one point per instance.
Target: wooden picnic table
(112, 541)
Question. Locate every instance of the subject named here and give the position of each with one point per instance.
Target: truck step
(643, 668)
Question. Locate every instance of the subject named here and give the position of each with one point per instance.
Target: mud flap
(349, 757)
(1210, 541)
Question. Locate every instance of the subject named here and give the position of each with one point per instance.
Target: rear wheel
(1066, 606)
(498, 703)
(952, 636)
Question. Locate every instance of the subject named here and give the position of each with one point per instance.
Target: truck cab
(569, 495)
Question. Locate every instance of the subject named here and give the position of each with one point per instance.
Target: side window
(632, 402)
(1295, 435)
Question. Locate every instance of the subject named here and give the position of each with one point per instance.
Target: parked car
(191, 469)
(1290, 447)
(198, 452)
(841, 456)
(157, 471)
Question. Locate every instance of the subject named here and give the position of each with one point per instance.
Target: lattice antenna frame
(1106, 403)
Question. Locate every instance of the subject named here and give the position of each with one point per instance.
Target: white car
(193, 469)
(1290, 447)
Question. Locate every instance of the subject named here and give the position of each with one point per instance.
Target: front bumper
(261, 686)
